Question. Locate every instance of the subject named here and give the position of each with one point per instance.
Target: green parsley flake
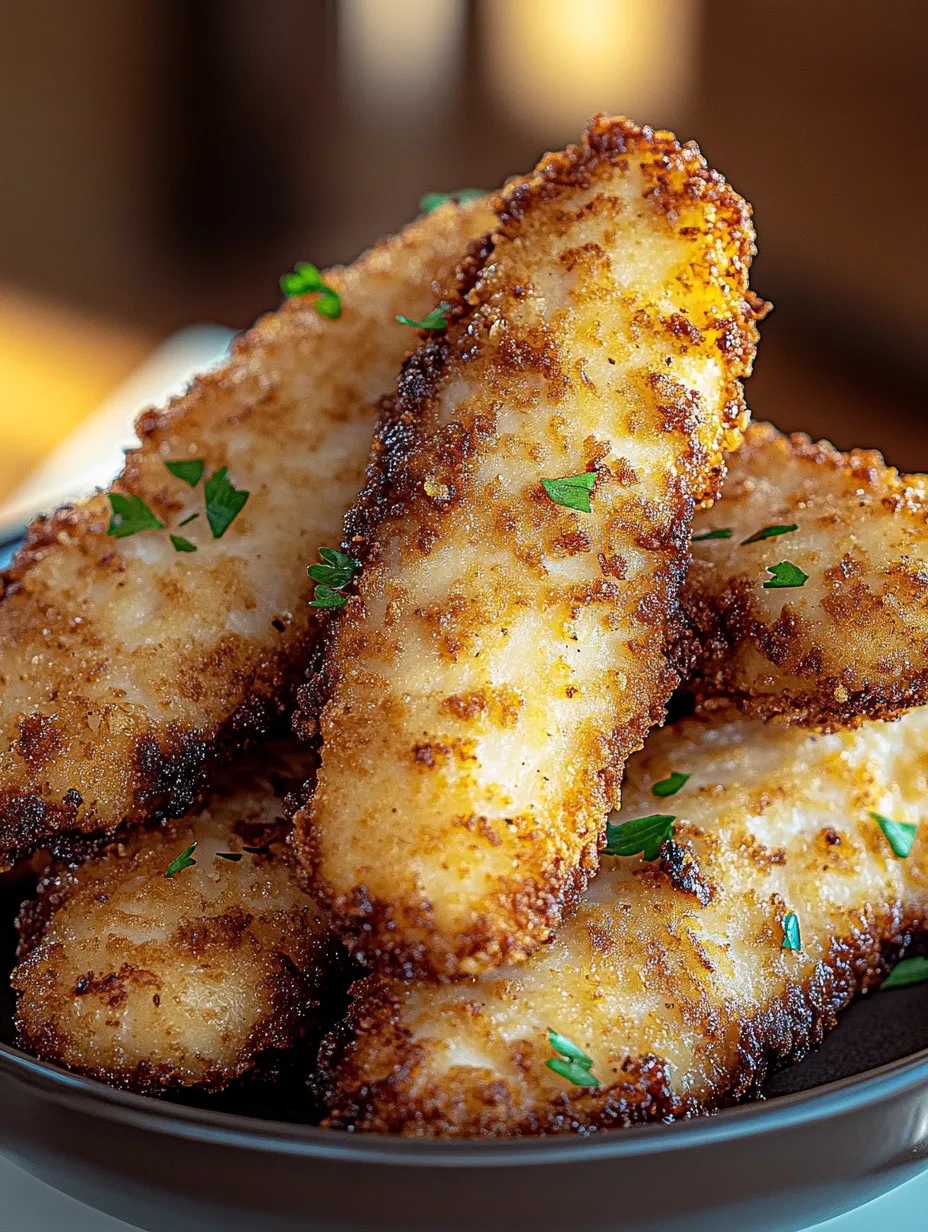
(724, 532)
(640, 836)
(181, 544)
(190, 471)
(572, 1063)
(179, 863)
(333, 575)
(224, 502)
(431, 201)
(670, 785)
(785, 574)
(337, 569)
(791, 938)
(229, 855)
(899, 834)
(329, 304)
(573, 491)
(907, 972)
(770, 532)
(192, 518)
(306, 280)
(325, 596)
(436, 319)
(130, 515)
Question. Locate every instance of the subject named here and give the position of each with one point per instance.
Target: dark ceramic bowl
(782, 1164)
(848, 1123)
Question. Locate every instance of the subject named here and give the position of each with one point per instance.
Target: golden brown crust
(127, 669)
(852, 642)
(479, 695)
(149, 983)
(682, 1000)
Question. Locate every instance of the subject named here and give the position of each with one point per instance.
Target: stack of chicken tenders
(357, 678)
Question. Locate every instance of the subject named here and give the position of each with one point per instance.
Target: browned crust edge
(289, 1021)
(173, 777)
(779, 1034)
(300, 999)
(717, 624)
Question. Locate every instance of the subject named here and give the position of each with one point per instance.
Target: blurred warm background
(163, 161)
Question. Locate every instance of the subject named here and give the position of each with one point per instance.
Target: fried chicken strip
(672, 976)
(505, 652)
(126, 666)
(153, 983)
(852, 642)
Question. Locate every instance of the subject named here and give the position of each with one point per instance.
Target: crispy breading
(126, 666)
(503, 655)
(149, 982)
(852, 642)
(672, 976)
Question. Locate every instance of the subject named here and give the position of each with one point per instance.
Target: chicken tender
(152, 982)
(851, 641)
(679, 980)
(525, 533)
(128, 662)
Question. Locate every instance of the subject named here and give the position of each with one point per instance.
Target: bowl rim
(819, 1103)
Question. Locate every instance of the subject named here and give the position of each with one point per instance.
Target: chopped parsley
(670, 785)
(436, 319)
(907, 972)
(785, 574)
(770, 532)
(329, 304)
(641, 836)
(899, 834)
(723, 532)
(337, 569)
(325, 596)
(332, 576)
(224, 502)
(191, 471)
(306, 280)
(229, 855)
(130, 516)
(572, 1062)
(791, 938)
(573, 491)
(431, 201)
(179, 863)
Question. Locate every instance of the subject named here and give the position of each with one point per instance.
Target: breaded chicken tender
(675, 984)
(151, 982)
(525, 532)
(849, 643)
(128, 662)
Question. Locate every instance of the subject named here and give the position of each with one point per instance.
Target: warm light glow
(553, 63)
(400, 56)
(55, 367)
